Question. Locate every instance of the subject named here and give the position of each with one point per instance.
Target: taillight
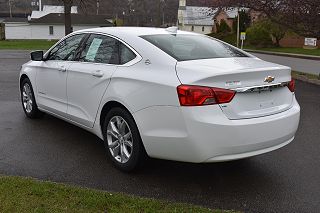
(292, 85)
(199, 95)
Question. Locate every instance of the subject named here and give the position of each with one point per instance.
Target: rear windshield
(192, 47)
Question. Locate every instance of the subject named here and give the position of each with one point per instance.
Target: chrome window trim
(134, 61)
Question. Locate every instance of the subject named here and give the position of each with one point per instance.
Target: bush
(223, 27)
(258, 35)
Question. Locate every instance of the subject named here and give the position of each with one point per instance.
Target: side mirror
(37, 56)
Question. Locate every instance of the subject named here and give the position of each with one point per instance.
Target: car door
(52, 76)
(89, 78)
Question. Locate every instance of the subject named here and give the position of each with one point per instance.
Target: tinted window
(66, 49)
(126, 54)
(100, 49)
(192, 47)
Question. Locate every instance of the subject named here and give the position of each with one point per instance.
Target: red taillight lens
(199, 96)
(292, 85)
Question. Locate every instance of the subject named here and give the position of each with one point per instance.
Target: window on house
(202, 29)
(50, 30)
(192, 28)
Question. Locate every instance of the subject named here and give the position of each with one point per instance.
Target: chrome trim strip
(261, 87)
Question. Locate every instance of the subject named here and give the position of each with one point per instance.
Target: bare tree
(302, 16)
(84, 4)
(67, 16)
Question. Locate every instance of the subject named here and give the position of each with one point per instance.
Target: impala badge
(269, 79)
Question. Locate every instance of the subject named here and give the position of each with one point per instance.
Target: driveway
(286, 180)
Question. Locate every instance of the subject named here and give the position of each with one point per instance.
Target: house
(228, 15)
(48, 24)
(195, 19)
(203, 19)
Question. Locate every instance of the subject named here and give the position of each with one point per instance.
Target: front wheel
(28, 100)
(122, 140)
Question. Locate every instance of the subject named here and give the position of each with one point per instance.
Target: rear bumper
(205, 134)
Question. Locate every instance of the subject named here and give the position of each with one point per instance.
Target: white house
(47, 9)
(48, 24)
(195, 19)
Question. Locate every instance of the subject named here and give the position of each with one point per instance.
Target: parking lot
(286, 180)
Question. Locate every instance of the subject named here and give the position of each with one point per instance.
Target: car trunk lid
(261, 86)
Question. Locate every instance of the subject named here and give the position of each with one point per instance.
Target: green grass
(309, 76)
(19, 194)
(312, 52)
(26, 44)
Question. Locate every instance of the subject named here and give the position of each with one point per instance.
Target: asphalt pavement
(297, 64)
(286, 180)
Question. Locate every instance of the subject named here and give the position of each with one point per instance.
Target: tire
(28, 100)
(117, 126)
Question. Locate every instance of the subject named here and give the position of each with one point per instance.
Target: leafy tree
(258, 35)
(245, 21)
(276, 30)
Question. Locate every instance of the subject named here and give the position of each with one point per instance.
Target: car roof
(133, 31)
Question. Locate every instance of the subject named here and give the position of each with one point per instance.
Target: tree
(301, 16)
(67, 11)
(258, 35)
(245, 21)
(223, 27)
(276, 31)
(67, 16)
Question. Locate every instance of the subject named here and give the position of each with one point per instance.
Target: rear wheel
(28, 101)
(122, 140)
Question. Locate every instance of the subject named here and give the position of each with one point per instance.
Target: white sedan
(163, 93)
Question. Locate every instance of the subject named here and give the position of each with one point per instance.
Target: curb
(305, 79)
(310, 57)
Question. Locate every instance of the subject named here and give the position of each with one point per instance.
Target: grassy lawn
(309, 76)
(26, 44)
(315, 52)
(19, 194)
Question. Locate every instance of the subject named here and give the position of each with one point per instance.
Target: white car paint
(147, 87)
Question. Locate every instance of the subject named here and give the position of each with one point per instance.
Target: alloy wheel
(27, 98)
(119, 138)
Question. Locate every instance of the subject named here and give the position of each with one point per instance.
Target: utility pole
(238, 28)
(10, 7)
(98, 7)
(163, 11)
(159, 13)
(40, 5)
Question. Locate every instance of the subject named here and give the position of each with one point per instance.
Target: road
(297, 64)
(286, 180)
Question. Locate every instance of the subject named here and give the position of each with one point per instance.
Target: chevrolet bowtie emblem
(269, 79)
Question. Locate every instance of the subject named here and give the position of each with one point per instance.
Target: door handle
(97, 73)
(62, 69)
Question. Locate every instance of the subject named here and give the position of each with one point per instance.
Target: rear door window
(100, 49)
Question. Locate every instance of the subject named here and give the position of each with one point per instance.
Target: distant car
(163, 93)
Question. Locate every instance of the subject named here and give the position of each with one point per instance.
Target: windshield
(192, 47)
